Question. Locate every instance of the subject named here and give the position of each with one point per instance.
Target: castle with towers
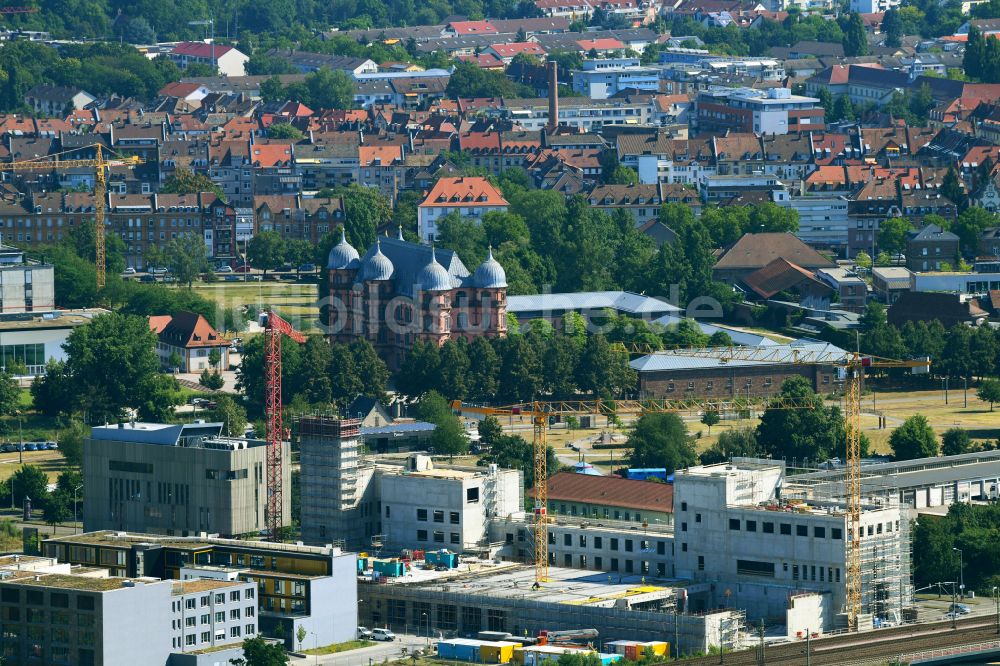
(399, 292)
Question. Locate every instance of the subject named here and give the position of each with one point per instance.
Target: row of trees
(982, 57)
(973, 529)
(541, 362)
(959, 352)
(807, 434)
(314, 373)
(100, 69)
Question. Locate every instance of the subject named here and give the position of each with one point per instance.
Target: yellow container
(500, 652)
(659, 648)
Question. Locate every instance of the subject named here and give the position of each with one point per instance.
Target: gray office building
(178, 480)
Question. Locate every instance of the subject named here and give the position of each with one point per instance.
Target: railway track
(866, 648)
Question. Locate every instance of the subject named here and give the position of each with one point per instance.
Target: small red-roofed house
(603, 46)
(192, 338)
(467, 28)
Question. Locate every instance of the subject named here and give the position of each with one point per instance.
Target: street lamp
(961, 573)
(76, 525)
(316, 645)
(996, 599)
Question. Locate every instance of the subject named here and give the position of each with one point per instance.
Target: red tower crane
(274, 328)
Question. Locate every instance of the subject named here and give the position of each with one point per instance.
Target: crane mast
(274, 328)
(100, 165)
(853, 365)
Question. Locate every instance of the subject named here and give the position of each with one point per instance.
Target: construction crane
(100, 166)
(540, 412)
(274, 328)
(852, 364)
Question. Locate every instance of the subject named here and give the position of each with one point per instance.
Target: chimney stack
(553, 95)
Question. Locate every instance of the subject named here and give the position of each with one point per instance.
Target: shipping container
(538, 654)
(390, 568)
(461, 649)
(500, 652)
(607, 659)
(442, 558)
(659, 648)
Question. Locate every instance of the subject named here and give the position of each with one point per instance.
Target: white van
(383, 635)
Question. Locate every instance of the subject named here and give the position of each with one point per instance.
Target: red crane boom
(274, 328)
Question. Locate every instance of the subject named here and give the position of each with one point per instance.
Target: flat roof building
(294, 585)
(89, 618)
(177, 479)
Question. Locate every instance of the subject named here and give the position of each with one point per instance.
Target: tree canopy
(815, 434)
(914, 439)
(661, 440)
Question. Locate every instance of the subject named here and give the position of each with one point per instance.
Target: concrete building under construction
(486, 596)
(408, 505)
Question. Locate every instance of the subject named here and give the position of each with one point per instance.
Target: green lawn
(294, 301)
(339, 647)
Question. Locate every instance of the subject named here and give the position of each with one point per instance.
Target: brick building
(400, 292)
(676, 375)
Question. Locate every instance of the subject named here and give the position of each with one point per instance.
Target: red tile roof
(604, 44)
(473, 28)
(272, 154)
(186, 329)
(611, 491)
(511, 49)
(483, 60)
(368, 155)
(778, 276)
(178, 89)
(200, 50)
(465, 190)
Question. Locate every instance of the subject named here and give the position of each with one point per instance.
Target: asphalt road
(367, 656)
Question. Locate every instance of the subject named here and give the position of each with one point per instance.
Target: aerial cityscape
(534, 332)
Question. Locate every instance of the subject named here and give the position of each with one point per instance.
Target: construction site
(503, 597)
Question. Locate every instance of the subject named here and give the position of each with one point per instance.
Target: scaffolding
(331, 483)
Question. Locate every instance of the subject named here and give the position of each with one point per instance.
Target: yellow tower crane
(853, 366)
(100, 165)
(541, 411)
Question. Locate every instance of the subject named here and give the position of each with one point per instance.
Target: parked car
(129, 271)
(307, 268)
(53, 445)
(364, 633)
(157, 270)
(285, 267)
(961, 609)
(30, 446)
(224, 269)
(242, 268)
(7, 448)
(147, 278)
(383, 635)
